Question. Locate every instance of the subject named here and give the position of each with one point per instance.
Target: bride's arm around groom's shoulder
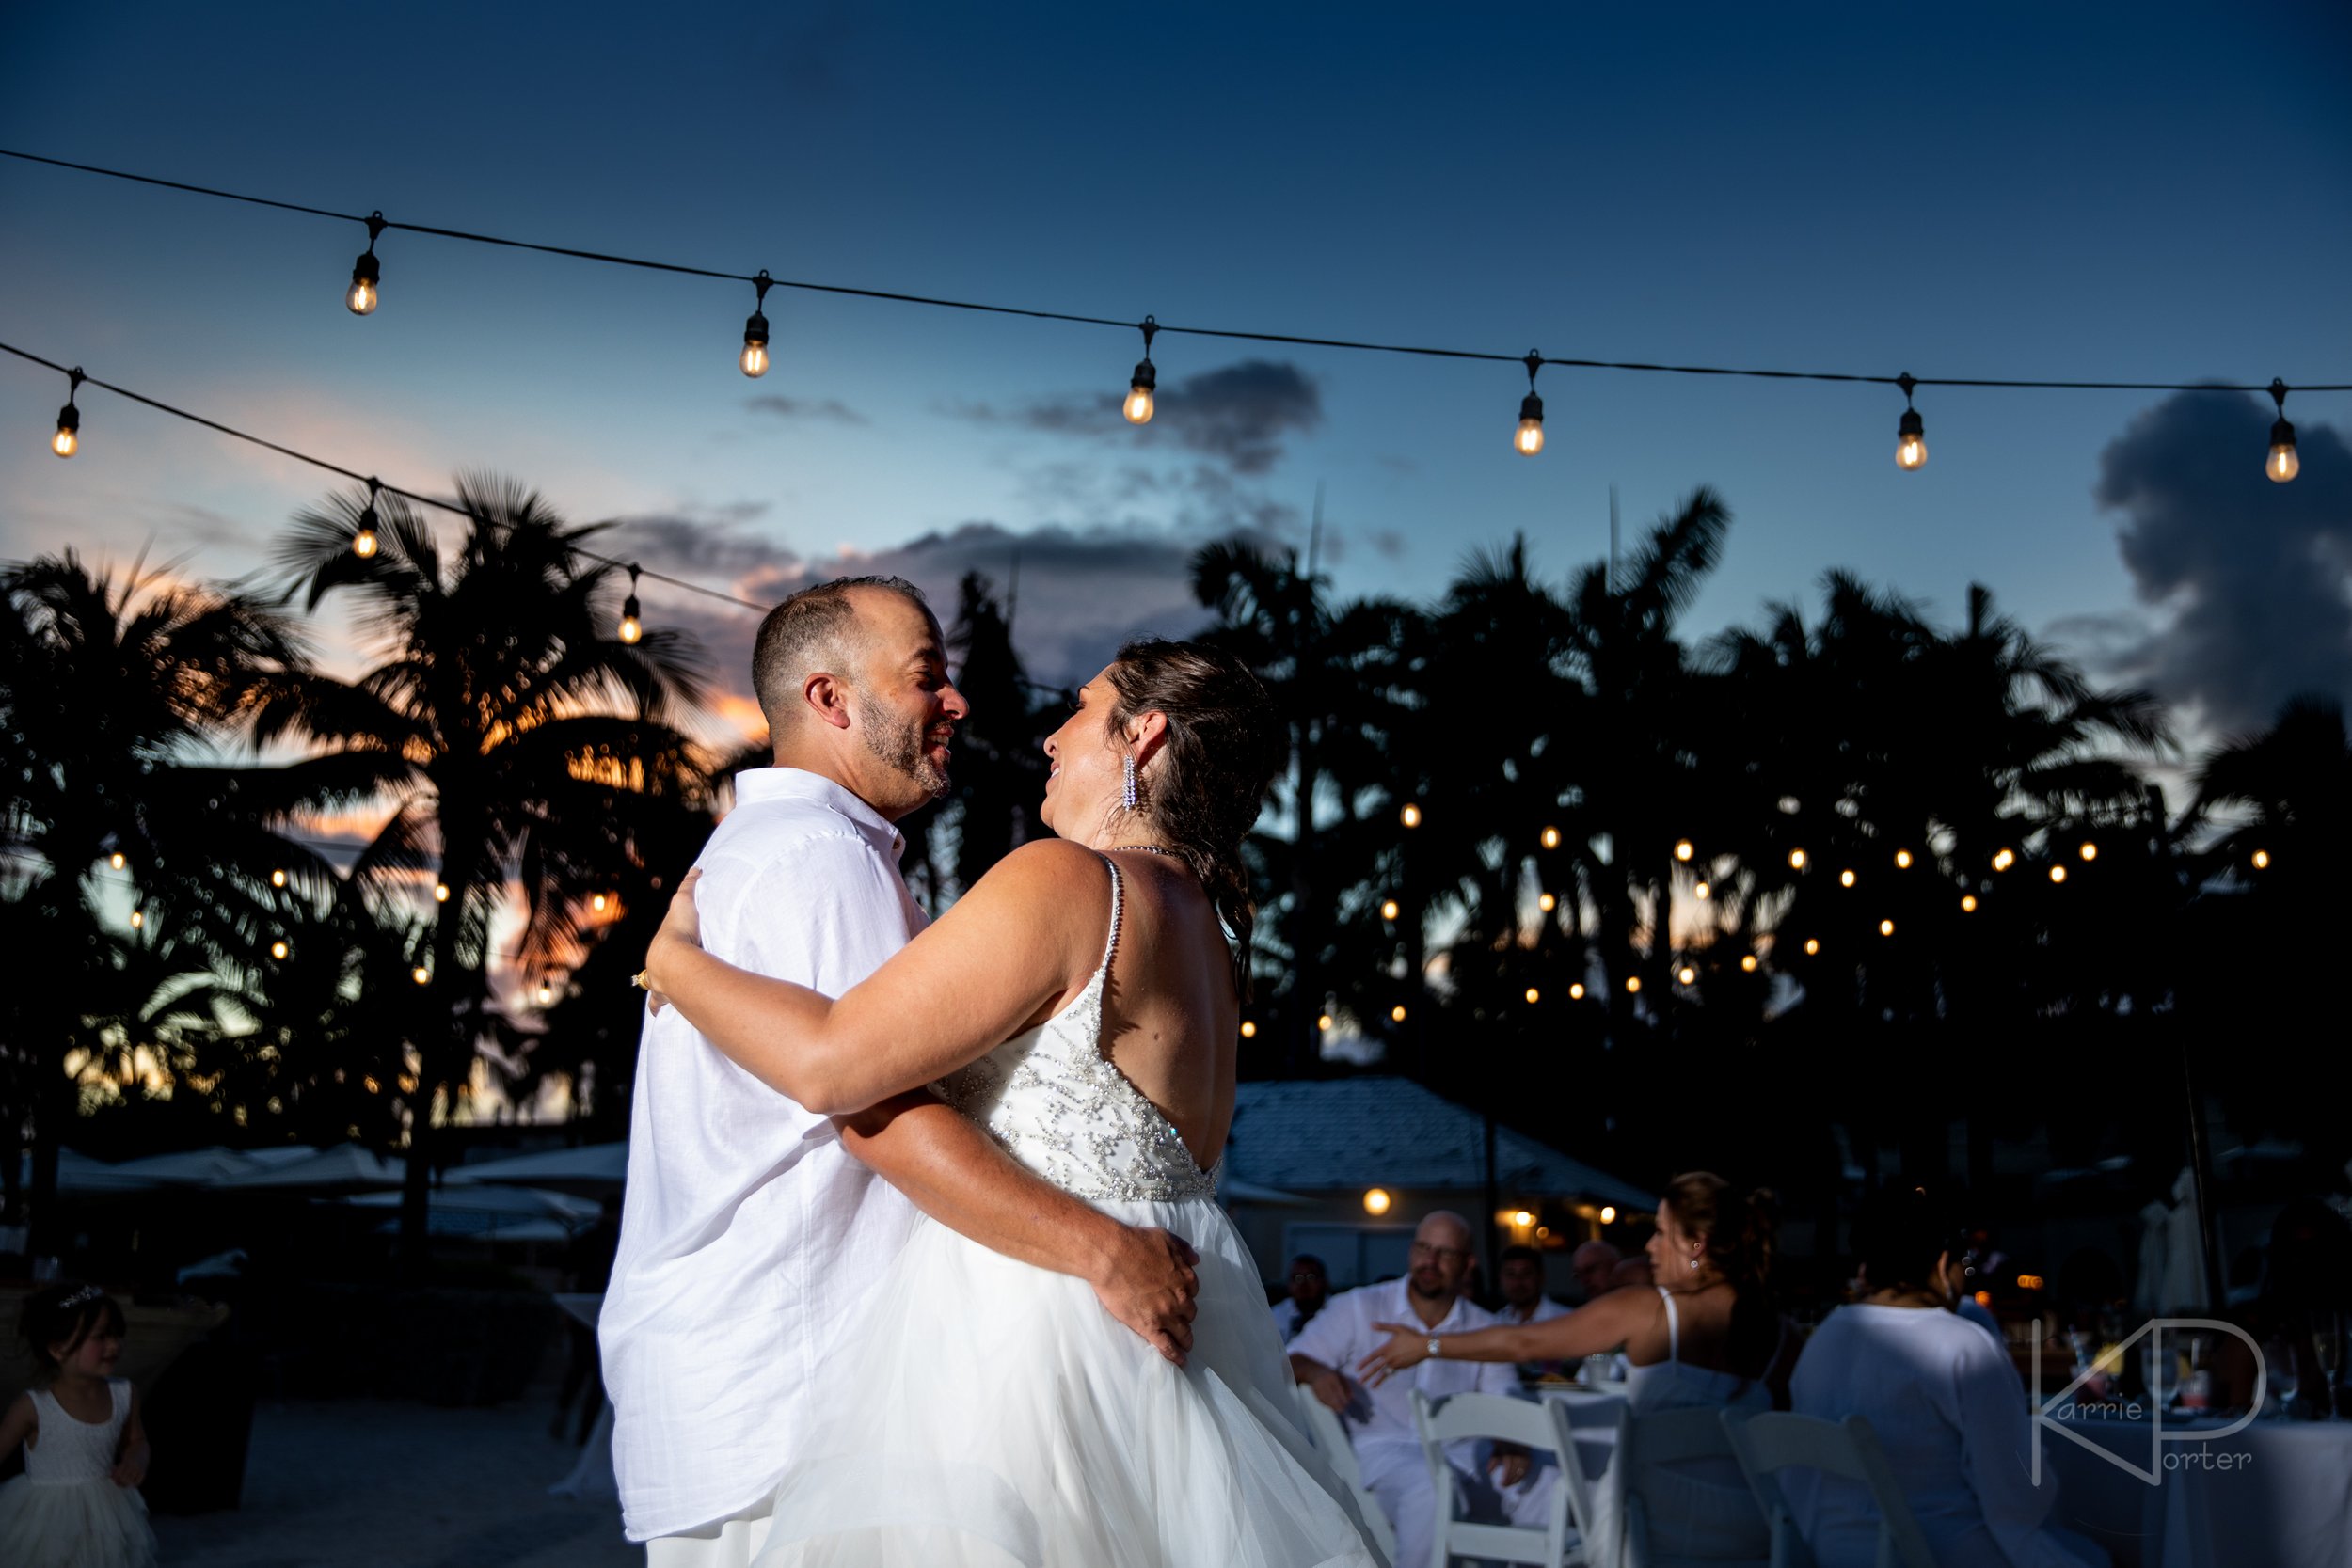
(1004, 956)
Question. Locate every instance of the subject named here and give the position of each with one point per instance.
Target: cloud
(1238, 416)
(2256, 576)
(804, 408)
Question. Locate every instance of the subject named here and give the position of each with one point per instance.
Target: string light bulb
(440, 893)
(2262, 859)
(1551, 838)
(1389, 909)
(1902, 860)
(1533, 996)
(1249, 1030)
(1396, 1014)
(1886, 928)
(277, 878)
(278, 950)
(1576, 991)
(115, 859)
(1687, 975)
(1812, 947)
(2058, 873)
(1410, 815)
(363, 541)
(1911, 433)
(1747, 963)
(367, 277)
(599, 902)
(1703, 892)
(1547, 903)
(1684, 849)
(1529, 438)
(1137, 409)
(2004, 858)
(1376, 1201)
(754, 356)
(632, 627)
(1607, 1214)
(1845, 879)
(1323, 1022)
(547, 993)
(422, 975)
(2282, 464)
(1967, 903)
(138, 919)
(1796, 860)
(2088, 851)
(1633, 985)
(68, 441)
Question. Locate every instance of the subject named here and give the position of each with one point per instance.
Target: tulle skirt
(81, 1524)
(988, 1413)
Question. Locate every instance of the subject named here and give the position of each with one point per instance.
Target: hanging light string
(375, 485)
(376, 223)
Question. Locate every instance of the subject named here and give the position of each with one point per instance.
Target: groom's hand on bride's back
(1148, 1281)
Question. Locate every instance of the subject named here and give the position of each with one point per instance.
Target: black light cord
(417, 496)
(1233, 334)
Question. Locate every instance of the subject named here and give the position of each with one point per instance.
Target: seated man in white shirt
(1520, 1274)
(1379, 1422)
(1595, 1266)
(1310, 1289)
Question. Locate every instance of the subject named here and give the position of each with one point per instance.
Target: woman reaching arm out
(1602, 1324)
(1005, 957)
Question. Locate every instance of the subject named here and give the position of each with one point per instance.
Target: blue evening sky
(2113, 191)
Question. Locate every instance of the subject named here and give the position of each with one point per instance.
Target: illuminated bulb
(1902, 860)
(2003, 860)
(547, 993)
(2282, 465)
(1376, 1200)
(1522, 1218)
(1747, 963)
(1633, 985)
(1576, 991)
(754, 355)
(1967, 903)
(1845, 879)
(278, 950)
(2262, 859)
(631, 628)
(1687, 975)
(1551, 838)
(1911, 435)
(1607, 1214)
(1703, 892)
(1812, 946)
(1410, 815)
(1886, 928)
(68, 441)
(1796, 860)
(1529, 438)
(440, 893)
(363, 541)
(1547, 903)
(115, 859)
(277, 878)
(1534, 995)
(2090, 852)
(1249, 1030)
(1396, 1014)
(367, 278)
(1684, 849)
(2058, 873)
(599, 901)
(1137, 409)
(1323, 1023)
(138, 919)
(422, 975)
(1389, 909)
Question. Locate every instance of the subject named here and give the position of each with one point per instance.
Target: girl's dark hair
(1739, 1236)
(65, 1312)
(1899, 1232)
(1223, 747)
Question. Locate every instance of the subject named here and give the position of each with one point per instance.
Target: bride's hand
(1407, 1347)
(681, 927)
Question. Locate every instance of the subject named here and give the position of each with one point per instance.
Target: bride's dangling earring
(1128, 794)
(1693, 1261)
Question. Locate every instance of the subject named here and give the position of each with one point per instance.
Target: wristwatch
(1434, 1354)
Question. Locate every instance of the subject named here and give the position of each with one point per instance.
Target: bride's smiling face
(1088, 776)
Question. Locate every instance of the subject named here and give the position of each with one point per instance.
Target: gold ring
(640, 981)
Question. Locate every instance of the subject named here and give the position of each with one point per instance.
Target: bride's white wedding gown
(987, 1413)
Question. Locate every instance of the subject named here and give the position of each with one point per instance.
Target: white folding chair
(1770, 1442)
(1649, 1447)
(1538, 1424)
(1329, 1438)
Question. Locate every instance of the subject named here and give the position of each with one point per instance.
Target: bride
(1081, 1002)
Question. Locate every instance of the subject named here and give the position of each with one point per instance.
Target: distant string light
(1410, 815)
(1389, 909)
(1911, 433)
(277, 878)
(68, 441)
(363, 542)
(1747, 963)
(1396, 1014)
(2282, 464)
(367, 277)
(1533, 996)
(2058, 873)
(278, 950)
(1902, 860)
(1687, 975)
(422, 975)
(1529, 438)
(1140, 385)
(1886, 928)
(1576, 991)
(2262, 859)
(632, 626)
(1547, 903)
(1684, 849)
(1967, 903)
(1845, 879)
(754, 356)
(2004, 858)
(1796, 860)
(2088, 851)
(1551, 838)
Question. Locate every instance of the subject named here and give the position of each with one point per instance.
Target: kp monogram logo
(2054, 1412)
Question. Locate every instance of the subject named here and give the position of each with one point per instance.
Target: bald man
(1592, 1264)
(1379, 1422)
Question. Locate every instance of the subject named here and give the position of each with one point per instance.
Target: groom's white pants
(729, 1543)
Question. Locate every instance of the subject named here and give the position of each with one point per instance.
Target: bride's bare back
(1171, 1020)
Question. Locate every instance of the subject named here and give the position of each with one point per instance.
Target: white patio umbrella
(344, 1167)
(500, 1203)
(593, 1170)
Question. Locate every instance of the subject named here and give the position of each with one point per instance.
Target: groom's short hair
(812, 630)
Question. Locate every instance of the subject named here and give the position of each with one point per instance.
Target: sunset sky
(2141, 193)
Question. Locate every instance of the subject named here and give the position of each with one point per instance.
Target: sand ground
(398, 1485)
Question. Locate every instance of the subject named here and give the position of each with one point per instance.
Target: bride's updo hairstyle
(1739, 1233)
(1223, 747)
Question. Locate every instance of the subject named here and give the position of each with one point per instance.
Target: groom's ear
(827, 699)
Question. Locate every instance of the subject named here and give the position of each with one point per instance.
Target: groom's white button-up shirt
(750, 1237)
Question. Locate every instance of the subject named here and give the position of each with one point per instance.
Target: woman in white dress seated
(1705, 1336)
(1081, 1002)
(1941, 1396)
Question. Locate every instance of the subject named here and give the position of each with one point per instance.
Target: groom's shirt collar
(799, 784)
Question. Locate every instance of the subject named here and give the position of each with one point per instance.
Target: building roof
(1316, 1134)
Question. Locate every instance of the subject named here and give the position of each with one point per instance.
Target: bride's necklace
(1151, 849)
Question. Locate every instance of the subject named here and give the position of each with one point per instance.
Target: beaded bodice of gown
(1054, 1100)
(71, 1448)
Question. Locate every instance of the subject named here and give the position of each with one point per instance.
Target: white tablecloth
(2277, 1495)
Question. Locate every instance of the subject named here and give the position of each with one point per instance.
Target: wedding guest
(1520, 1272)
(1941, 1396)
(1379, 1422)
(1309, 1288)
(1594, 1264)
(1632, 1273)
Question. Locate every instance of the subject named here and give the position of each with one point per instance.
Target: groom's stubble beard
(899, 746)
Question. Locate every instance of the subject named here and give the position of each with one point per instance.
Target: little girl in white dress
(77, 1504)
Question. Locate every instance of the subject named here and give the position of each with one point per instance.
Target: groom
(754, 1231)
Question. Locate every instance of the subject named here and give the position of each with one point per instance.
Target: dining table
(2274, 1492)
